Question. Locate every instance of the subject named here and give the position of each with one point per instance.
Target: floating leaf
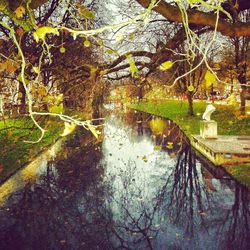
(166, 65)
(145, 158)
(190, 88)
(156, 147)
(68, 128)
(87, 43)
(20, 11)
(41, 33)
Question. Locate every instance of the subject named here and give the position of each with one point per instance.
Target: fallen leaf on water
(156, 147)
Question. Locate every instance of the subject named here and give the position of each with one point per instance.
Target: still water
(140, 186)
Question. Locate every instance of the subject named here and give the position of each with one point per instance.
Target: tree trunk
(190, 104)
(22, 99)
(242, 79)
(243, 100)
(140, 93)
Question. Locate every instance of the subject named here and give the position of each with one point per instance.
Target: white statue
(209, 110)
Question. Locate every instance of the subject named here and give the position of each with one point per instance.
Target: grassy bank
(228, 124)
(14, 151)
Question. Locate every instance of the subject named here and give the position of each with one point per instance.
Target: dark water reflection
(141, 188)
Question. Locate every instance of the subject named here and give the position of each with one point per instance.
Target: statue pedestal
(208, 129)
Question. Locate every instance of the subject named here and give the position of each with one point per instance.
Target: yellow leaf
(109, 51)
(9, 66)
(93, 130)
(157, 125)
(42, 91)
(56, 105)
(36, 70)
(20, 11)
(100, 42)
(133, 68)
(86, 13)
(232, 100)
(190, 88)
(93, 71)
(103, 72)
(68, 128)
(62, 50)
(58, 109)
(170, 145)
(41, 33)
(210, 79)
(87, 43)
(166, 65)
(193, 1)
(131, 36)
(156, 147)
(119, 37)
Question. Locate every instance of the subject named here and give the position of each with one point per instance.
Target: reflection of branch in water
(236, 221)
(134, 221)
(186, 194)
(47, 213)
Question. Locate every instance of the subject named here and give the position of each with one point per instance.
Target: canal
(139, 186)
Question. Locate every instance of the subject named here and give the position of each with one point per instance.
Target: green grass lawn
(228, 124)
(14, 152)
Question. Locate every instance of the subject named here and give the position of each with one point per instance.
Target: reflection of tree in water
(133, 217)
(236, 221)
(75, 205)
(184, 196)
(64, 210)
(185, 202)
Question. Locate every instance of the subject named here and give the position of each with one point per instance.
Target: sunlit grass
(228, 122)
(14, 151)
